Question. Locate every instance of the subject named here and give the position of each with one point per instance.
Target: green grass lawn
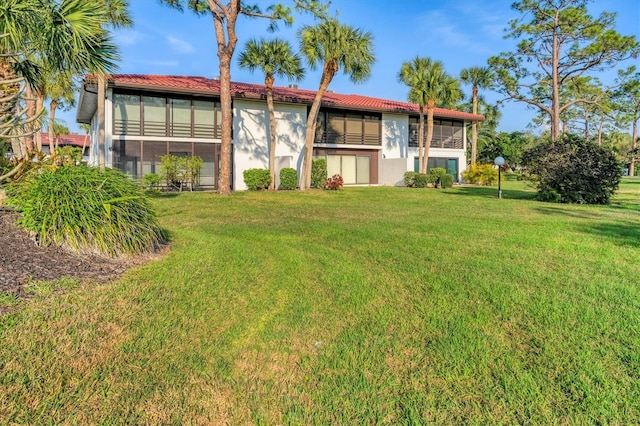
(361, 306)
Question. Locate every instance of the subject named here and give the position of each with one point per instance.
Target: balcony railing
(151, 128)
(440, 142)
(348, 139)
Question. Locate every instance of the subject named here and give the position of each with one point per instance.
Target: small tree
(573, 170)
(478, 78)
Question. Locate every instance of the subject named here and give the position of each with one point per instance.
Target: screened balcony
(348, 128)
(446, 134)
(137, 115)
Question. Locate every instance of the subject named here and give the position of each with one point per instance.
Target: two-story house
(369, 141)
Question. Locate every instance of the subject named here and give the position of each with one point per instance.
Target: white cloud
(127, 37)
(180, 46)
(456, 31)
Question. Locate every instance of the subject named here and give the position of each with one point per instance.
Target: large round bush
(86, 210)
(572, 170)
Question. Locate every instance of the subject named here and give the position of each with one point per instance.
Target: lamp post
(499, 161)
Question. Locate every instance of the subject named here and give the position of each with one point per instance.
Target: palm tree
(429, 85)
(477, 77)
(274, 58)
(414, 75)
(335, 46)
(55, 36)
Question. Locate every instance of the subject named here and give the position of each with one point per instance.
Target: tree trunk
(431, 104)
(226, 45)
(555, 85)
(268, 82)
(634, 146)
(37, 138)
(474, 125)
(586, 124)
(53, 141)
(330, 69)
(100, 112)
(224, 180)
(31, 112)
(420, 138)
(600, 132)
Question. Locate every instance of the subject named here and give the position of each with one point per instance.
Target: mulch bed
(22, 260)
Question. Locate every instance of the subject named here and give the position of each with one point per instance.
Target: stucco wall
(395, 135)
(252, 136)
(94, 152)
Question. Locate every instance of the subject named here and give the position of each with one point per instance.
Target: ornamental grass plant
(86, 210)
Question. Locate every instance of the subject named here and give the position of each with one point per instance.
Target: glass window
(320, 125)
(155, 116)
(335, 128)
(126, 114)
(151, 159)
(129, 159)
(349, 169)
(354, 129)
(371, 131)
(204, 116)
(207, 173)
(333, 165)
(363, 168)
(180, 118)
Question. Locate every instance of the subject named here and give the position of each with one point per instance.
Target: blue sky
(460, 33)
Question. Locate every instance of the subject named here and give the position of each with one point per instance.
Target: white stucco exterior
(395, 135)
(251, 136)
(386, 161)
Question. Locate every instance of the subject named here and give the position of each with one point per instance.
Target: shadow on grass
(623, 233)
(492, 192)
(557, 209)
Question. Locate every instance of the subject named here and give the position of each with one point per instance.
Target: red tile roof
(203, 85)
(72, 139)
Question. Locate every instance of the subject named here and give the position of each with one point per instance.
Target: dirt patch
(22, 260)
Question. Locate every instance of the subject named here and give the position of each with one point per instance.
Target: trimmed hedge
(318, 173)
(288, 178)
(410, 179)
(446, 181)
(257, 179)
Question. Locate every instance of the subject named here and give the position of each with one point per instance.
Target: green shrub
(446, 181)
(318, 173)
(421, 180)
(288, 178)
(579, 171)
(334, 183)
(86, 210)
(180, 172)
(69, 155)
(257, 179)
(409, 179)
(483, 174)
(435, 174)
(151, 182)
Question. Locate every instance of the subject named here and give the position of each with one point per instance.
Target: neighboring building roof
(208, 86)
(73, 139)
